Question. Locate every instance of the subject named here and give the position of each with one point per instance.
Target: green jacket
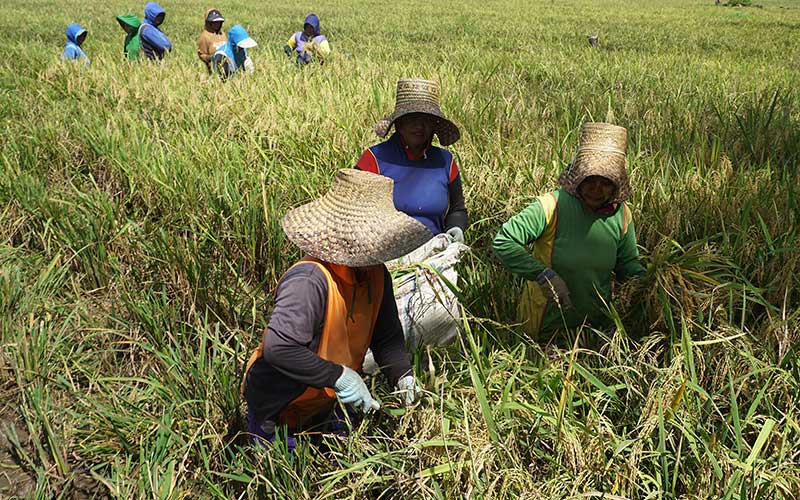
(583, 247)
(131, 44)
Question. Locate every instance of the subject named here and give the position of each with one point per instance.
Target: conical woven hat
(420, 96)
(355, 223)
(601, 151)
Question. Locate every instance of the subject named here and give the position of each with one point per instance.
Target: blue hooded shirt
(154, 43)
(72, 50)
(230, 54)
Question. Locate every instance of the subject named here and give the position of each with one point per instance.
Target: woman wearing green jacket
(581, 234)
(130, 24)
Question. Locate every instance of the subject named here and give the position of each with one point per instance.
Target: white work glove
(248, 65)
(408, 389)
(350, 388)
(456, 234)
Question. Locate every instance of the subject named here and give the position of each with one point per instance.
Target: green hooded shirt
(131, 44)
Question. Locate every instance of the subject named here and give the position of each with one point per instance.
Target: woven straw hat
(420, 96)
(355, 223)
(601, 151)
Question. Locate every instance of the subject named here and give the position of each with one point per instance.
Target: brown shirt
(208, 43)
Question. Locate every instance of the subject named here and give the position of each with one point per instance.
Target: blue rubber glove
(456, 234)
(350, 388)
(408, 389)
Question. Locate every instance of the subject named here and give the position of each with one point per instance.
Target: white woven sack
(427, 307)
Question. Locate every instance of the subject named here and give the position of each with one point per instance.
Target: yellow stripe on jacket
(533, 303)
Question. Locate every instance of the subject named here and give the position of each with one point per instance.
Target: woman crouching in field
(329, 309)
(308, 45)
(232, 56)
(581, 234)
(76, 35)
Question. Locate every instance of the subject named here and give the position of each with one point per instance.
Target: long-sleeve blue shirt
(154, 43)
(73, 51)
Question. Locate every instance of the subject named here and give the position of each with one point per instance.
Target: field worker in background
(130, 24)
(76, 35)
(329, 308)
(232, 55)
(309, 44)
(581, 234)
(212, 38)
(154, 43)
(427, 187)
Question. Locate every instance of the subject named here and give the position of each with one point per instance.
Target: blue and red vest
(421, 187)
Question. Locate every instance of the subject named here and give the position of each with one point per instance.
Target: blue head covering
(237, 35)
(151, 11)
(74, 30)
(313, 20)
(234, 53)
(72, 50)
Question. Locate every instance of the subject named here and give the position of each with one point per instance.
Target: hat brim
(247, 43)
(445, 130)
(364, 239)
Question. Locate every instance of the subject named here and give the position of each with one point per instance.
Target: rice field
(140, 249)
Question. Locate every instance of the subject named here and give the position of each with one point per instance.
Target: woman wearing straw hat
(427, 184)
(581, 234)
(331, 307)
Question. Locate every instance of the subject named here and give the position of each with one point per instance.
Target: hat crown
(362, 189)
(415, 95)
(602, 152)
(414, 90)
(603, 137)
(355, 223)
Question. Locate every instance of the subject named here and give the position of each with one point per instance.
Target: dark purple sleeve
(295, 327)
(457, 213)
(388, 344)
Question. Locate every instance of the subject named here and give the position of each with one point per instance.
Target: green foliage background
(140, 245)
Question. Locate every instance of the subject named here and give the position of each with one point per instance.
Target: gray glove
(408, 389)
(456, 234)
(554, 288)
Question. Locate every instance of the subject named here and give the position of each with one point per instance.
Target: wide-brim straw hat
(420, 96)
(602, 150)
(355, 223)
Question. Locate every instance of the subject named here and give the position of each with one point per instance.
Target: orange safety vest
(350, 317)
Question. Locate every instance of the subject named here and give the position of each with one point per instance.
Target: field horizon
(140, 248)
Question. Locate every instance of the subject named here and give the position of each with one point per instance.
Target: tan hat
(355, 223)
(420, 96)
(601, 151)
